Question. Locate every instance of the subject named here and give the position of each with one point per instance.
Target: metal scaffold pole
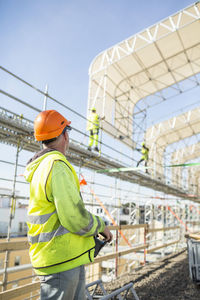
(45, 98)
(11, 216)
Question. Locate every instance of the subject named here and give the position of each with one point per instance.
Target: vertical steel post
(103, 107)
(45, 98)
(163, 220)
(117, 257)
(146, 231)
(117, 236)
(12, 214)
(154, 162)
(104, 92)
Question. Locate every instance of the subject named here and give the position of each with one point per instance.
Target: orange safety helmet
(49, 124)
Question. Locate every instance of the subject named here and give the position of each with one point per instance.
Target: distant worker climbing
(145, 156)
(93, 128)
(61, 230)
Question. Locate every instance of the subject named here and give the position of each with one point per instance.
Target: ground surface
(167, 279)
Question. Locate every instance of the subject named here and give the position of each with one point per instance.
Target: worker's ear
(65, 134)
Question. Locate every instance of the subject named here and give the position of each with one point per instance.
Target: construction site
(150, 204)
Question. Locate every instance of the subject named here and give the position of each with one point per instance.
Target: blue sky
(54, 42)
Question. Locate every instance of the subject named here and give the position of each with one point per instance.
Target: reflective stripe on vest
(87, 228)
(47, 236)
(39, 219)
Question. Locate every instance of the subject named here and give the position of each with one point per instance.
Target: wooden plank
(196, 232)
(193, 236)
(162, 246)
(104, 257)
(124, 252)
(12, 246)
(19, 291)
(163, 229)
(193, 222)
(122, 227)
(23, 245)
(118, 254)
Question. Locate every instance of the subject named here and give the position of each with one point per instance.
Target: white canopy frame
(194, 185)
(148, 63)
(182, 156)
(160, 136)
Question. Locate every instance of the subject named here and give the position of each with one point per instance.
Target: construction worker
(93, 127)
(145, 155)
(61, 231)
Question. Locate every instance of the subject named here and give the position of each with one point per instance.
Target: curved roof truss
(145, 64)
(160, 136)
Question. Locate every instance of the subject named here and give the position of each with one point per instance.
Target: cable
(11, 163)
(43, 93)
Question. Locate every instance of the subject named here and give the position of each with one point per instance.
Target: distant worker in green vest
(61, 230)
(145, 156)
(93, 128)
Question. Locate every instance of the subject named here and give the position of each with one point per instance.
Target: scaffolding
(150, 229)
(148, 214)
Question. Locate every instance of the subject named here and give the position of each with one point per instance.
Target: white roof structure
(195, 180)
(168, 132)
(148, 63)
(182, 156)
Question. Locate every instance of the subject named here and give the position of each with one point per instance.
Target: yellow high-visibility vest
(61, 230)
(93, 122)
(145, 153)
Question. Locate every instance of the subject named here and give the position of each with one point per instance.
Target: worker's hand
(103, 118)
(107, 234)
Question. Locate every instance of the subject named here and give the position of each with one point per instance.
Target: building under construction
(149, 213)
